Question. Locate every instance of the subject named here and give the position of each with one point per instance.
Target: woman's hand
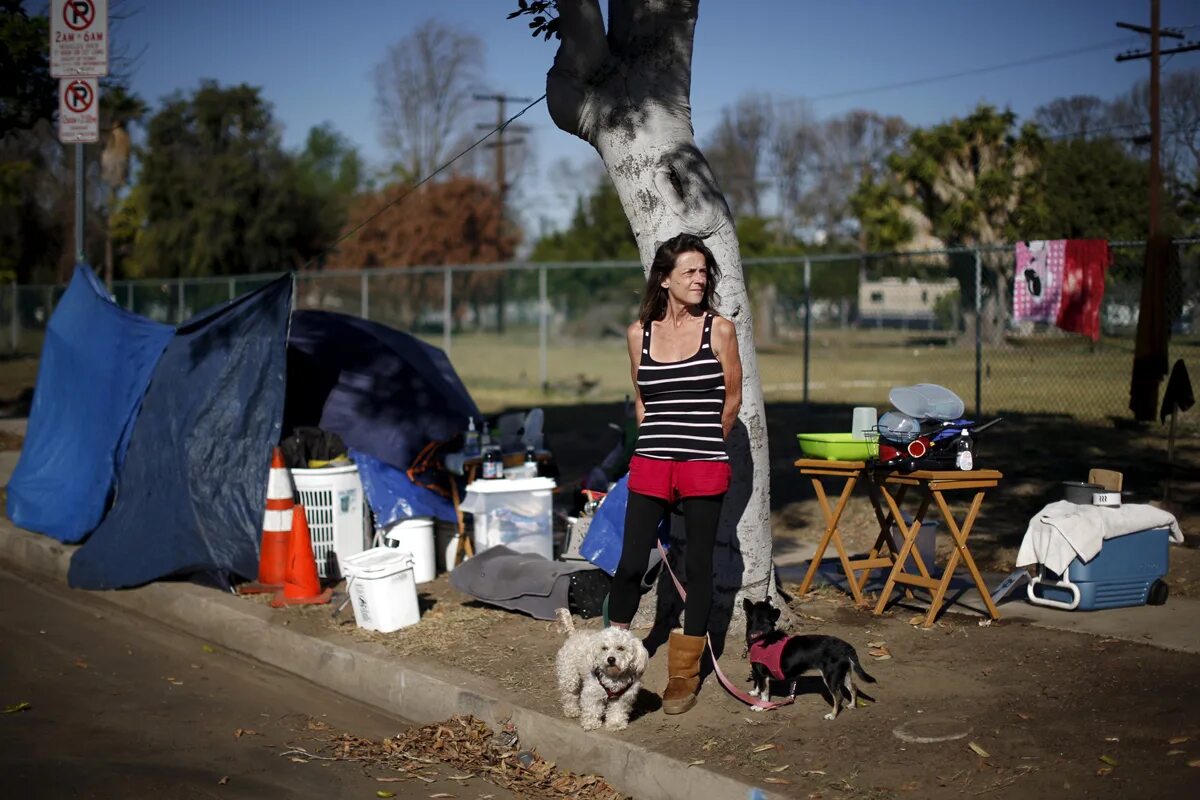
(725, 348)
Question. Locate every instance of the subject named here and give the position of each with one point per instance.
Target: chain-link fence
(839, 329)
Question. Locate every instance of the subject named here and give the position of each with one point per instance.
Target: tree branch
(661, 37)
(581, 56)
(620, 24)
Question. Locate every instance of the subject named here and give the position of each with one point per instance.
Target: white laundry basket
(382, 590)
(335, 509)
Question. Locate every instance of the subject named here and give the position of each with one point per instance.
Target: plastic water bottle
(471, 440)
(964, 458)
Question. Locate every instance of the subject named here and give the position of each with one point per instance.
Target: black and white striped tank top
(683, 401)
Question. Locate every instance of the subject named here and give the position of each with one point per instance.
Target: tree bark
(627, 93)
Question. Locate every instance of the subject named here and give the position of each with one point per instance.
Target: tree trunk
(765, 299)
(627, 93)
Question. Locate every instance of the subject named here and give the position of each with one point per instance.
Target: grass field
(1054, 375)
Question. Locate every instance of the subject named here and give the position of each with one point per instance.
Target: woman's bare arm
(725, 348)
(634, 337)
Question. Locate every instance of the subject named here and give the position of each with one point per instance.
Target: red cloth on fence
(1083, 286)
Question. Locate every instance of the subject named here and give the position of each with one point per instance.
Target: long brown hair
(654, 299)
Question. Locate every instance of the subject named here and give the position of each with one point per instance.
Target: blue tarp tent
(190, 494)
(96, 363)
(386, 393)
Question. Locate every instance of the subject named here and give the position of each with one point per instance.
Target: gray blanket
(517, 581)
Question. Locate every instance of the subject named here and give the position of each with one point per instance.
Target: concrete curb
(370, 675)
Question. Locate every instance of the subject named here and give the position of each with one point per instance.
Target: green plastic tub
(835, 446)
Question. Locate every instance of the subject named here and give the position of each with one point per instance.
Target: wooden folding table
(882, 553)
(934, 485)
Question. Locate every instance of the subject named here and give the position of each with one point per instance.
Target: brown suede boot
(683, 672)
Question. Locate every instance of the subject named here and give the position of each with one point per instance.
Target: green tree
(969, 182)
(1094, 189)
(120, 110)
(28, 93)
(328, 174)
(219, 191)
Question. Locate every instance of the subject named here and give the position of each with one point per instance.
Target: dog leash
(745, 697)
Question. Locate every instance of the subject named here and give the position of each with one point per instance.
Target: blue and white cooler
(1091, 557)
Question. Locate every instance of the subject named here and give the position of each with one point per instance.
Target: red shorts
(671, 480)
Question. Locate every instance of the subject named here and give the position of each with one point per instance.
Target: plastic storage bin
(1122, 574)
(382, 590)
(336, 512)
(517, 514)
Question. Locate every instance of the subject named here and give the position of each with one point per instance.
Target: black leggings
(642, 515)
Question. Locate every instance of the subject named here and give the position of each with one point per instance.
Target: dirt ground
(1034, 713)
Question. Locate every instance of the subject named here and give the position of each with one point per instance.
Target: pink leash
(745, 697)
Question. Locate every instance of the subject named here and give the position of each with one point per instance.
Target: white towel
(1063, 530)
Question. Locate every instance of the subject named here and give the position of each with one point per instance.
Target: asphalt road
(121, 706)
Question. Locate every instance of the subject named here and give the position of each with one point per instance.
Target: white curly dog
(599, 674)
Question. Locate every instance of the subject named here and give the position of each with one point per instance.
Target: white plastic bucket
(447, 545)
(864, 420)
(415, 536)
(382, 590)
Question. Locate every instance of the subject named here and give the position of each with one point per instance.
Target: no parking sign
(78, 110)
(78, 38)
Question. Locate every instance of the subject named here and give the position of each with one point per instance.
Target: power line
(1039, 59)
(423, 181)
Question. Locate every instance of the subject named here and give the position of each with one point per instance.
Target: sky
(314, 59)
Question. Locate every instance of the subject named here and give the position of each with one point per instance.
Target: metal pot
(1079, 492)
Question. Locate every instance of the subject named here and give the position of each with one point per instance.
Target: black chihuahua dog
(775, 655)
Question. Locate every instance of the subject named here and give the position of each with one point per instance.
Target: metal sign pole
(80, 258)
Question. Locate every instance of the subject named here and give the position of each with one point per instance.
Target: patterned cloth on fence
(1037, 287)
(1083, 286)
(1061, 281)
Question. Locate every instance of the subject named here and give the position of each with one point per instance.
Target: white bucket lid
(378, 562)
(506, 485)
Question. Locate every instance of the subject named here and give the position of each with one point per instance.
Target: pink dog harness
(769, 655)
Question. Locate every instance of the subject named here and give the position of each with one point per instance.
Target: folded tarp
(191, 494)
(515, 581)
(96, 363)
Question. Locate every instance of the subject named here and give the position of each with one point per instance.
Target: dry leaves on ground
(469, 744)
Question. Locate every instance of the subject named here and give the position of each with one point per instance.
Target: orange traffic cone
(302, 585)
(277, 530)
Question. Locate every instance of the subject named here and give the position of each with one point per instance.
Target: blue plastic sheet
(606, 533)
(191, 494)
(393, 497)
(96, 363)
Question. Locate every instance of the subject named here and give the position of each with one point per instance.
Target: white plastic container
(446, 534)
(415, 537)
(517, 514)
(382, 590)
(335, 509)
(864, 420)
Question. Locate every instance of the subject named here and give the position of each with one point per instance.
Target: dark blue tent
(386, 393)
(191, 495)
(96, 363)
(188, 499)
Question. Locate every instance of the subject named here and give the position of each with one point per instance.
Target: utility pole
(499, 145)
(1156, 32)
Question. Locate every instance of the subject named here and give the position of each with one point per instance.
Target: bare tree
(737, 151)
(852, 147)
(1077, 117)
(423, 91)
(795, 158)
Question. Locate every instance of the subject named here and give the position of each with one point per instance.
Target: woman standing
(688, 381)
